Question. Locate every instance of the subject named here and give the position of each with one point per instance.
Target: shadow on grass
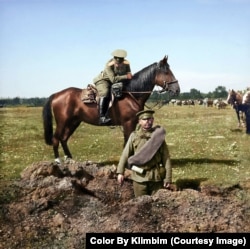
(236, 130)
(185, 183)
(181, 162)
(105, 163)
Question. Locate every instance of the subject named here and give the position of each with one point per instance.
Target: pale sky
(49, 45)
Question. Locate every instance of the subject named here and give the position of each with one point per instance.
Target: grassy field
(205, 143)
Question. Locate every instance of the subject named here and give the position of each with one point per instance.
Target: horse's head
(230, 96)
(165, 78)
(234, 98)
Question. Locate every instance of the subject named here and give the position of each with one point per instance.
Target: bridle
(165, 83)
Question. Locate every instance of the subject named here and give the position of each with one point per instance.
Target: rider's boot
(103, 108)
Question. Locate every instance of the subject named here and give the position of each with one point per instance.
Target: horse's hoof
(58, 161)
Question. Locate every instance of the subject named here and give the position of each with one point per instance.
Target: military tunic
(111, 74)
(158, 169)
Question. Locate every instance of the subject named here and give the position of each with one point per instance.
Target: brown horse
(235, 99)
(69, 110)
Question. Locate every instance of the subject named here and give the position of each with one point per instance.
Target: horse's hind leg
(57, 139)
(243, 119)
(55, 142)
(65, 149)
(67, 133)
(67, 153)
(247, 112)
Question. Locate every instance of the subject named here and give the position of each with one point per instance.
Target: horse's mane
(142, 80)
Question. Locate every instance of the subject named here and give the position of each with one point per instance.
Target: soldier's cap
(145, 114)
(119, 53)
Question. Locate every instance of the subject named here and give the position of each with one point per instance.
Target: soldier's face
(119, 60)
(147, 123)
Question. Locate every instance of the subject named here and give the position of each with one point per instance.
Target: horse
(235, 100)
(207, 102)
(69, 110)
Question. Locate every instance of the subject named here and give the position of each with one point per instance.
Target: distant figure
(147, 154)
(116, 70)
(246, 106)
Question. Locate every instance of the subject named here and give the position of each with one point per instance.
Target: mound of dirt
(54, 206)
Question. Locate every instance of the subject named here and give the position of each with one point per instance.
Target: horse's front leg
(238, 117)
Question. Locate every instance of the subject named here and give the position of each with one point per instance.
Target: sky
(49, 45)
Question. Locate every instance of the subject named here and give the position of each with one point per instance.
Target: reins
(156, 104)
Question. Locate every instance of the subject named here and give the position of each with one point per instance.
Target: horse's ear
(165, 58)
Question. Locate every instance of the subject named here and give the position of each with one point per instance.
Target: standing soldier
(116, 70)
(147, 154)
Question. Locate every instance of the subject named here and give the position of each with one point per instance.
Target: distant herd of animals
(239, 101)
(218, 103)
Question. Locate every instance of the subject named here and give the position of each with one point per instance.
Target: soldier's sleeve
(128, 69)
(111, 76)
(166, 162)
(126, 153)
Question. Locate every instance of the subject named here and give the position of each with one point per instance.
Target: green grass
(204, 143)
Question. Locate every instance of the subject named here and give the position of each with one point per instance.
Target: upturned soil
(54, 206)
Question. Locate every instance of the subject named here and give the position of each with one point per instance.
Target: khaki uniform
(111, 74)
(157, 171)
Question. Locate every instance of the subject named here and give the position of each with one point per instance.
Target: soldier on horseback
(116, 70)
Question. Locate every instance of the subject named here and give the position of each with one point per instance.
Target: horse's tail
(48, 121)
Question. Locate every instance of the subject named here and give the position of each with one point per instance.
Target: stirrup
(104, 120)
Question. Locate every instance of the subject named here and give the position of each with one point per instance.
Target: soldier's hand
(167, 185)
(129, 76)
(120, 179)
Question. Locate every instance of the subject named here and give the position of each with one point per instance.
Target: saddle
(90, 94)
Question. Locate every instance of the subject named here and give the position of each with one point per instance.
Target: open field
(55, 206)
(204, 143)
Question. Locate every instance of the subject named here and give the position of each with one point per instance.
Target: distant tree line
(29, 102)
(219, 92)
